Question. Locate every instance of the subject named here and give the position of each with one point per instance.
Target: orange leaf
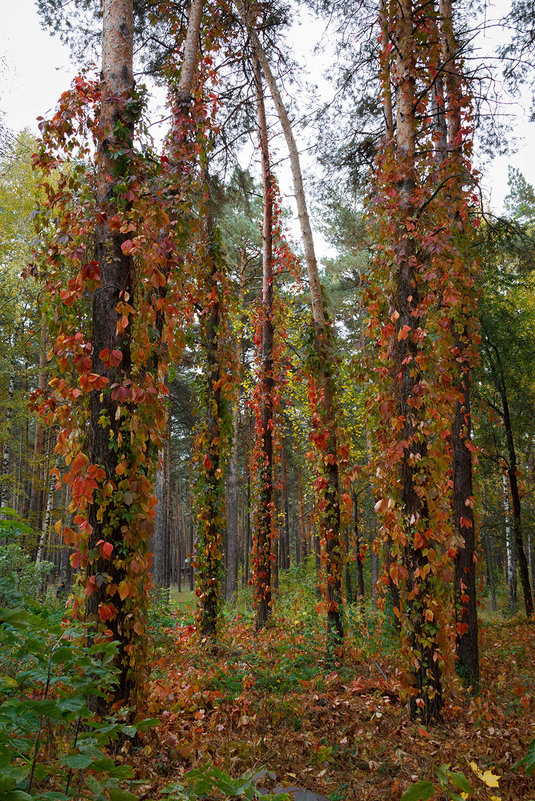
(105, 612)
(106, 550)
(123, 589)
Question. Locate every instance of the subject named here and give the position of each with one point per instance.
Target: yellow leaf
(490, 779)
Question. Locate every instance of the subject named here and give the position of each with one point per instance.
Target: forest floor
(270, 701)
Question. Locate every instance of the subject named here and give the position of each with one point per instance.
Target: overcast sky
(35, 68)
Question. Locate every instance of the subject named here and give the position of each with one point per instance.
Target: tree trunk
(232, 545)
(157, 543)
(39, 480)
(285, 534)
(490, 571)
(413, 567)
(515, 494)
(265, 524)
(324, 370)
(4, 492)
(116, 285)
(465, 560)
(358, 554)
(211, 527)
(448, 116)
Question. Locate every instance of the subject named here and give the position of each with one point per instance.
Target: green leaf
(17, 618)
(421, 791)
(15, 795)
(8, 682)
(106, 764)
(74, 703)
(122, 795)
(460, 781)
(11, 775)
(229, 787)
(7, 782)
(63, 654)
(78, 761)
(143, 725)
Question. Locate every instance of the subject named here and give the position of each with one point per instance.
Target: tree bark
(323, 345)
(425, 677)
(265, 524)
(212, 524)
(448, 110)
(512, 469)
(116, 285)
(358, 553)
(465, 560)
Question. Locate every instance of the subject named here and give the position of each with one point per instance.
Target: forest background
(304, 507)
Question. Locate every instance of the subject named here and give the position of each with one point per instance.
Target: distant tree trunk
(191, 555)
(233, 543)
(490, 570)
(358, 550)
(246, 447)
(39, 481)
(513, 481)
(465, 560)
(45, 531)
(347, 570)
(158, 539)
(510, 555)
(302, 537)
(4, 494)
(285, 534)
(375, 573)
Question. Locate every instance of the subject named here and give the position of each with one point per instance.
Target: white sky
(35, 69)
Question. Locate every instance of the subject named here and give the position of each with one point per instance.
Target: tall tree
(323, 381)
(453, 152)
(419, 259)
(266, 508)
(111, 334)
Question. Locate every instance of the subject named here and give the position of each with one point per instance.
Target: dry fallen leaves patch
(270, 700)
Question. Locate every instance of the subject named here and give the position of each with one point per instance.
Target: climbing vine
(423, 265)
(269, 390)
(118, 394)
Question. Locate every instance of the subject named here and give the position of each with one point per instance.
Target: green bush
(51, 745)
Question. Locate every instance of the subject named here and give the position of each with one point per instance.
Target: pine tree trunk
(39, 479)
(4, 493)
(232, 545)
(323, 344)
(515, 494)
(448, 111)
(465, 560)
(212, 524)
(264, 534)
(116, 274)
(358, 553)
(425, 671)
(157, 544)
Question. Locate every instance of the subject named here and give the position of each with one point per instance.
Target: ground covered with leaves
(272, 701)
